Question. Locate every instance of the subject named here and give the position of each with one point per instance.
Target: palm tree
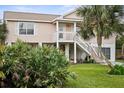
(100, 21)
(3, 33)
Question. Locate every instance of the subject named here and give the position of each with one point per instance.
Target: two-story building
(57, 30)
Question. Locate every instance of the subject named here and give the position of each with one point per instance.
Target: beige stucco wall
(110, 40)
(107, 43)
(44, 32)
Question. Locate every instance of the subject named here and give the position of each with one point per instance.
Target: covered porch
(73, 52)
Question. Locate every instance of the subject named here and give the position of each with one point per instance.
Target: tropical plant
(3, 33)
(26, 66)
(117, 70)
(15, 59)
(52, 66)
(2, 75)
(100, 21)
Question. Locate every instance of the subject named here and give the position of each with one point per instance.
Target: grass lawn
(94, 76)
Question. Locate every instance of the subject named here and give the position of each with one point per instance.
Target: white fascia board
(27, 20)
(71, 19)
(68, 20)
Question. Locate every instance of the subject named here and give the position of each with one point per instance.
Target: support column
(9, 43)
(74, 26)
(75, 50)
(67, 50)
(57, 34)
(40, 44)
(75, 53)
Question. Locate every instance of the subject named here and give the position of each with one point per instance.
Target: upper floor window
(26, 28)
(61, 27)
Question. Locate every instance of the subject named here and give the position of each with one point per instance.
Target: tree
(3, 33)
(100, 21)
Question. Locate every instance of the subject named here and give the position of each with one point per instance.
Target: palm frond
(103, 19)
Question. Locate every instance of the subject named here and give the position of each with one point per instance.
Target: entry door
(61, 30)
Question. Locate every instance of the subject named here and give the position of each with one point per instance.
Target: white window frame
(26, 29)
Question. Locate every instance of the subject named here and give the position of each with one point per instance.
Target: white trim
(66, 41)
(57, 37)
(26, 20)
(75, 53)
(72, 20)
(75, 26)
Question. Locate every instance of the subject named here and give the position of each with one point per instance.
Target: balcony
(65, 36)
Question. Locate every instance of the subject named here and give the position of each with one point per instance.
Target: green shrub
(52, 67)
(2, 47)
(117, 70)
(2, 75)
(25, 66)
(15, 62)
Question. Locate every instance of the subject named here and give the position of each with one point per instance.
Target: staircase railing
(91, 50)
(82, 44)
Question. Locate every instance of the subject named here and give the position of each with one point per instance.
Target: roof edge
(31, 13)
(28, 20)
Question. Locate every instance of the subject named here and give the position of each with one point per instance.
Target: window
(61, 29)
(26, 28)
(106, 52)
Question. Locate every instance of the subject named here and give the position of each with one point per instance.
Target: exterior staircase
(91, 50)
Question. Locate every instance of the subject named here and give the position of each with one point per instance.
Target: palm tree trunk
(99, 42)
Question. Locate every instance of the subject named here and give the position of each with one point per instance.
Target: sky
(47, 9)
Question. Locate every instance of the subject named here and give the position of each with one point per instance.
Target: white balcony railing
(66, 36)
